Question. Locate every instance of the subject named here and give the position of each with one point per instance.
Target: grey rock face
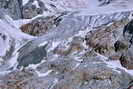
(13, 8)
(34, 57)
(31, 10)
(124, 46)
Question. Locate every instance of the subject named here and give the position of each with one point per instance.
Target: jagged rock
(33, 8)
(67, 75)
(119, 46)
(103, 40)
(124, 46)
(76, 45)
(41, 25)
(85, 74)
(126, 59)
(26, 80)
(12, 7)
(71, 24)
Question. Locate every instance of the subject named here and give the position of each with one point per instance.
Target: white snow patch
(19, 23)
(25, 2)
(3, 73)
(115, 65)
(34, 66)
(13, 61)
(54, 45)
(36, 4)
(76, 66)
(78, 59)
(44, 74)
(42, 44)
(84, 32)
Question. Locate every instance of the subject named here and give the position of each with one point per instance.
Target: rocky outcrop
(68, 73)
(76, 45)
(103, 39)
(33, 8)
(41, 25)
(113, 42)
(126, 59)
(12, 7)
(124, 46)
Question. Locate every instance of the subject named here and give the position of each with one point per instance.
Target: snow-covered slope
(11, 38)
(87, 6)
(64, 42)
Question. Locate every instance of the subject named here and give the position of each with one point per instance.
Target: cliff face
(66, 44)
